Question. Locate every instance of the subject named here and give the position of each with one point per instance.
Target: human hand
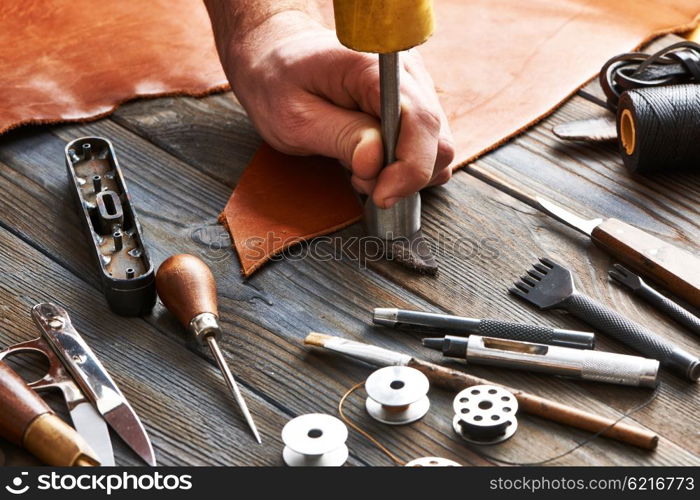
(307, 94)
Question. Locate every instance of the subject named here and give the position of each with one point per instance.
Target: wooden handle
(186, 287)
(675, 269)
(455, 380)
(26, 420)
(20, 405)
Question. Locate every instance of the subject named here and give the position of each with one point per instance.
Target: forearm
(235, 22)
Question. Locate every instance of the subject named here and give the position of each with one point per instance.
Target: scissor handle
(56, 376)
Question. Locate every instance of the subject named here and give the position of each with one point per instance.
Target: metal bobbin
(485, 414)
(397, 395)
(432, 462)
(315, 440)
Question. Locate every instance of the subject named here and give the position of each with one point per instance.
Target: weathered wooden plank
(262, 360)
(461, 289)
(284, 300)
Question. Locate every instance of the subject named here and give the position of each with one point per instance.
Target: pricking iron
(107, 213)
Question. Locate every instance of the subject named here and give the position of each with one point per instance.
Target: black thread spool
(658, 128)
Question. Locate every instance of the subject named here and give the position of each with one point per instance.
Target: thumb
(353, 137)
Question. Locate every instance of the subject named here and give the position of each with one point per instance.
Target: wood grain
(181, 157)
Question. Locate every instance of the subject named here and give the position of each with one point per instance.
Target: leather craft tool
(110, 221)
(187, 289)
(387, 28)
(594, 129)
(444, 323)
(681, 315)
(315, 440)
(581, 364)
(90, 393)
(397, 395)
(454, 380)
(485, 414)
(675, 269)
(27, 421)
(551, 286)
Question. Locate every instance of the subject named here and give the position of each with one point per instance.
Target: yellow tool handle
(383, 26)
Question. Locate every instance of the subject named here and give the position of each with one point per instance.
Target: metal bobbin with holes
(315, 440)
(397, 395)
(485, 414)
(432, 462)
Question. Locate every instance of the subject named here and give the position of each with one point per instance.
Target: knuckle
(428, 119)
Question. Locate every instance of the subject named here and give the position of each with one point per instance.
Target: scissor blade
(92, 427)
(125, 423)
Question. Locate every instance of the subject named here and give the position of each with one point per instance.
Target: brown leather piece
(281, 200)
(499, 66)
(68, 60)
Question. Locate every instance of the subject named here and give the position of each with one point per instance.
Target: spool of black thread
(658, 128)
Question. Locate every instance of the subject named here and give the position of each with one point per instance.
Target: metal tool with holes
(397, 395)
(679, 314)
(114, 231)
(584, 364)
(551, 286)
(485, 414)
(90, 393)
(315, 440)
(444, 323)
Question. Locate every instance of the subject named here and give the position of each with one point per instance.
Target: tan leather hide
(499, 66)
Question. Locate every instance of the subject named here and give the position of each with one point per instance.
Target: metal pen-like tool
(582, 364)
(458, 325)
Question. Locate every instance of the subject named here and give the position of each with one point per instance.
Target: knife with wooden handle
(27, 421)
(673, 268)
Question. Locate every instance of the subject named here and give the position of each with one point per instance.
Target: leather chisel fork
(551, 286)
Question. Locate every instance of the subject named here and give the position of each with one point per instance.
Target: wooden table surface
(182, 157)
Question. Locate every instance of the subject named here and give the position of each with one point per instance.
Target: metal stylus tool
(457, 325)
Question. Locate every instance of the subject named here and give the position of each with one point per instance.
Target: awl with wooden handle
(26, 420)
(187, 288)
(675, 269)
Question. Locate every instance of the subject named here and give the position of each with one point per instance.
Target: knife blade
(93, 428)
(674, 268)
(93, 379)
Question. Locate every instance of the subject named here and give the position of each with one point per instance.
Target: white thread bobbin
(485, 414)
(397, 395)
(432, 462)
(315, 440)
